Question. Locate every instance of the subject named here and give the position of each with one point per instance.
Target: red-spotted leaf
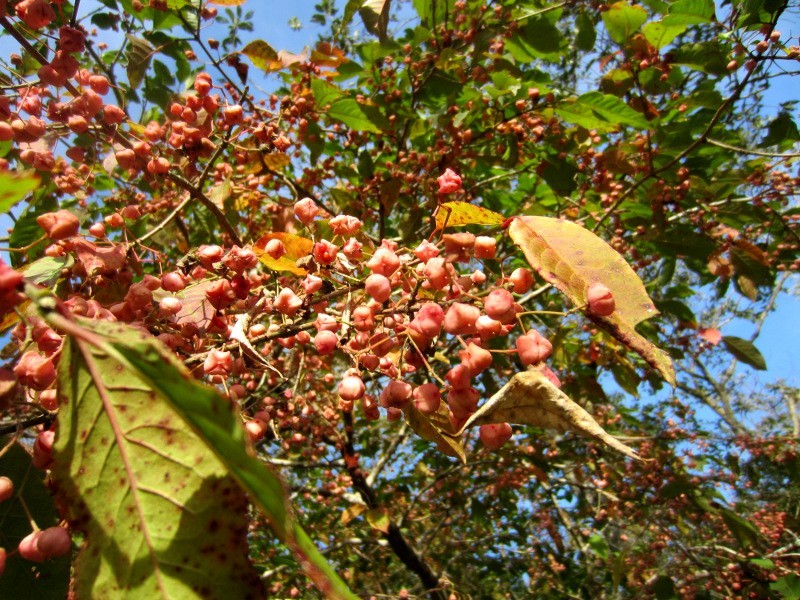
(572, 258)
(160, 513)
(296, 247)
(152, 465)
(457, 213)
(530, 399)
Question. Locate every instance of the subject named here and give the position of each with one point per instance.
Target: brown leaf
(436, 427)
(571, 258)
(99, 259)
(530, 399)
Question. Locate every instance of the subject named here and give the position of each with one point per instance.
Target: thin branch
(753, 152)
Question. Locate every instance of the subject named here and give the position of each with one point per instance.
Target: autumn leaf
(228, 2)
(571, 258)
(146, 492)
(296, 247)
(152, 465)
(264, 56)
(457, 213)
(710, 334)
(530, 399)
(436, 428)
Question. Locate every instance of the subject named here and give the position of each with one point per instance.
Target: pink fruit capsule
(600, 300)
(533, 347)
(494, 435)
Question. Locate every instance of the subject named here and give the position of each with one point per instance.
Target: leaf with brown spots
(571, 258)
(152, 465)
(161, 514)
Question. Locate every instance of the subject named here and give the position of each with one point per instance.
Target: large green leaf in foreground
(161, 515)
(140, 438)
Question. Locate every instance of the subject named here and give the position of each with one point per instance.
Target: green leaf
(543, 36)
(745, 351)
(378, 518)
(613, 109)
(434, 12)
(780, 129)
(27, 230)
(703, 9)
(661, 33)
(709, 57)
(48, 580)
(787, 586)
(622, 20)
(324, 93)
(571, 258)
(352, 114)
(153, 501)
(14, 186)
(139, 53)
(743, 530)
(213, 423)
(598, 545)
(47, 270)
(664, 588)
(587, 35)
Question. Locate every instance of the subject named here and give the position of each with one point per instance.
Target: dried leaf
(436, 427)
(99, 259)
(375, 14)
(572, 258)
(457, 213)
(351, 512)
(530, 399)
(327, 55)
(296, 247)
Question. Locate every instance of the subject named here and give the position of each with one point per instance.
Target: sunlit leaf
(352, 114)
(571, 258)
(530, 399)
(375, 14)
(745, 351)
(457, 213)
(146, 491)
(14, 186)
(622, 20)
(21, 579)
(169, 455)
(227, 2)
(378, 518)
(296, 247)
(263, 56)
(351, 512)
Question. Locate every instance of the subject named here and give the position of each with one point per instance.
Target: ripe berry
(427, 398)
(494, 435)
(59, 225)
(521, 279)
(378, 287)
(533, 347)
(485, 247)
(449, 182)
(325, 342)
(6, 488)
(306, 210)
(499, 305)
(287, 302)
(54, 542)
(600, 300)
(396, 394)
(351, 388)
(460, 319)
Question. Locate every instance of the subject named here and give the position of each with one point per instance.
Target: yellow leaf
(455, 214)
(296, 247)
(351, 512)
(264, 56)
(571, 258)
(378, 518)
(228, 2)
(530, 399)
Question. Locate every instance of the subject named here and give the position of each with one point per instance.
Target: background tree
(444, 217)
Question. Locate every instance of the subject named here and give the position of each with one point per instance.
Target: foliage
(322, 300)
